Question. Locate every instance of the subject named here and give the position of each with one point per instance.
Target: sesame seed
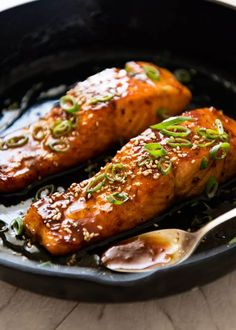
(156, 176)
(146, 173)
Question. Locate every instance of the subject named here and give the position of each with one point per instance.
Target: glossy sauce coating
(114, 105)
(64, 223)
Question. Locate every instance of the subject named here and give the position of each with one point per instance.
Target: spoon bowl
(157, 249)
(152, 250)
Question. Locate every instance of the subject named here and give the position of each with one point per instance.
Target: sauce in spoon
(143, 251)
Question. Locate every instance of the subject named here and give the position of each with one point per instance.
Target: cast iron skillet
(48, 43)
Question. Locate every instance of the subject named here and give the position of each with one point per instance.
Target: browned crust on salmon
(65, 222)
(97, 126)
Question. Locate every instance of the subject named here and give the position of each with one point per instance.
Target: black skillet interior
(48, 44)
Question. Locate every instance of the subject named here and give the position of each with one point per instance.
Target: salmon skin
(174, 160)
(111, 105)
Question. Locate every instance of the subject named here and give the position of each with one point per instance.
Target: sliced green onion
(69, 104)
(204, 163)
(3, 226)
(2, 145)
(207, 144)
(46, 264)
(17, 226)
(164, 166)
(232, 241)
(211, 134)
(207, 133)
(178, 142)
(105, 98)
(61, 128)
(211, 187)
(44, 191)
(58, 146)
(144, 162)
(162, 113)
(129, 68)
(96, 184)
(219, 126)
(171, 121)
(116, 172)
(118, 198)
(155, 150)
(39, 133)
(176, 131)
(74, 120)
(220, 150)
(182, 75)
(17, 141)
(151, 72)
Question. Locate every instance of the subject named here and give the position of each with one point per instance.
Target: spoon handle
(216, 222)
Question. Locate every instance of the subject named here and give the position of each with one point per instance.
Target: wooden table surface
(212, 307)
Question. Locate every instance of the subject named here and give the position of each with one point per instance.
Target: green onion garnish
(182, 75)
(105, 98)
(171, 121)
(17, 226)
(44, 191)
(145, 161)
(69, 104)
(162, 113)
(39, 133)
(129, 68)
(176, 131)
(96, 184)
(58, 146)
(178, 142)
(219, 126)
(115, 172)
(2, 145)
(151, 72)
(17, 141)
(232, 241)
(220, 150)
(155, 150)
(207, 133)
(164, 166)
(212, 134)
(3, 226)
(61, 128)
(204, 163)
(211, 187)
(118, 198)
(46, 264)
(207, 144)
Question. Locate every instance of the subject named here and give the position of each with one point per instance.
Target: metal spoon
(157, 249)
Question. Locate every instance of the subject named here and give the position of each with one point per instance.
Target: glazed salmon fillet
(111, 105)
(174, 160)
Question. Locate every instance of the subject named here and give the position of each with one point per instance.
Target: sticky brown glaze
(65, 222)
(133, 107)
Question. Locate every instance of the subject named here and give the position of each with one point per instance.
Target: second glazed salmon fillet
(168, 163)
(111, 105)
